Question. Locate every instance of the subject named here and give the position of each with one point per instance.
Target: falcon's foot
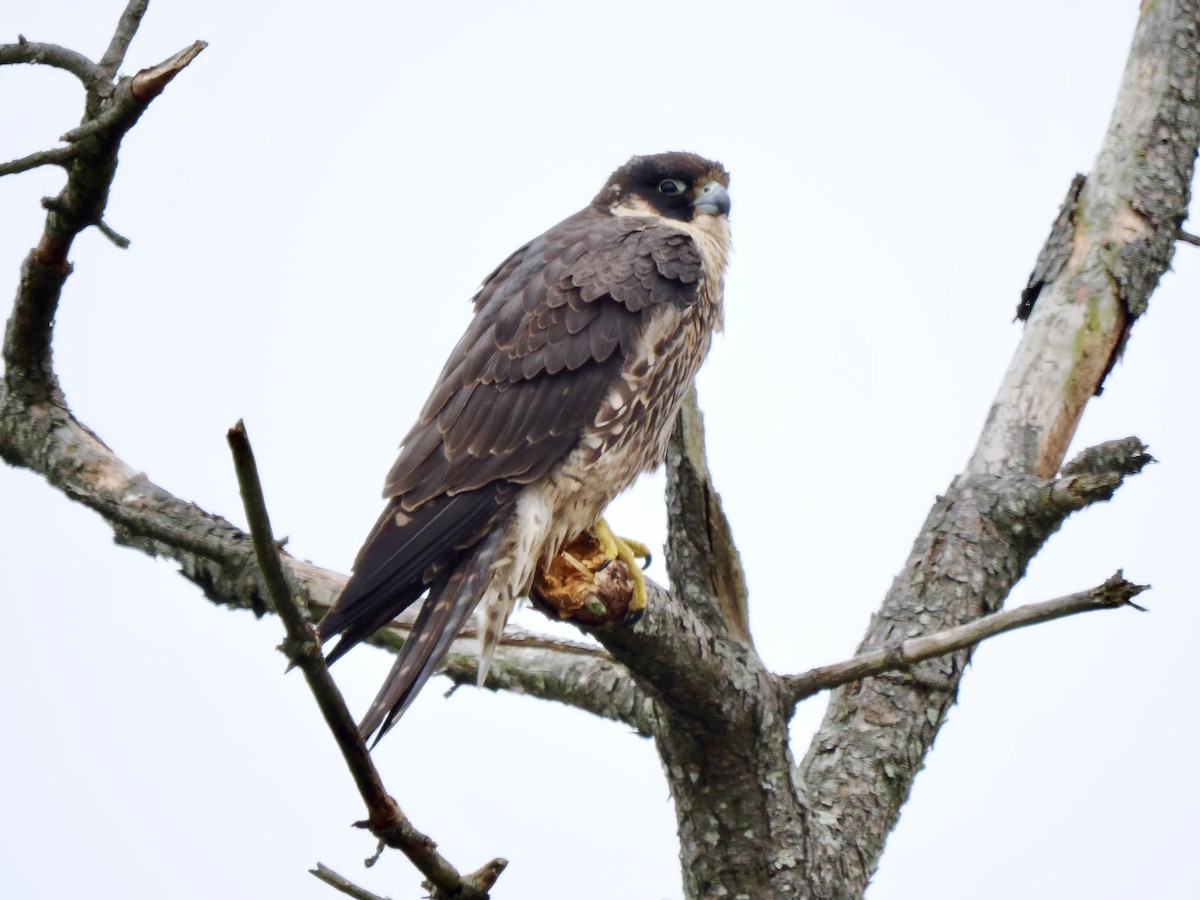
(581, 583)
(629, 552)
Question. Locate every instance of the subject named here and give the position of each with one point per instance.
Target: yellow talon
(628, 552)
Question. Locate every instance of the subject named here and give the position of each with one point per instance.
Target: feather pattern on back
(560, 392)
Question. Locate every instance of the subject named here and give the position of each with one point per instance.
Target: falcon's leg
(628, 552)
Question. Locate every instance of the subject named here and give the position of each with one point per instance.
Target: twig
(126, 28)
(1188, 238)
(386, 820)
(78, 205)
(116, 237)
(333, 879)
(1114, 593)
(59, 156)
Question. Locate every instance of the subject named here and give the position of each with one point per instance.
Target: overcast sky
(312, 204)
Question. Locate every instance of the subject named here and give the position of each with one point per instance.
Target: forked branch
(39, 431)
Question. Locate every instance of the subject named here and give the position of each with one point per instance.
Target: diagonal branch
(127, 27)
(323, 873)
(977, 540)
(1114, 593)
(385, 818)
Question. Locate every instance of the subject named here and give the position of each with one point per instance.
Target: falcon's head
(681, 186)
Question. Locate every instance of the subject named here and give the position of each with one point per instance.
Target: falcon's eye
(671, 186)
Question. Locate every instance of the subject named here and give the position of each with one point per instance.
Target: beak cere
(712, 199)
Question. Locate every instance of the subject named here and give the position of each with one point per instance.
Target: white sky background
(313, 202)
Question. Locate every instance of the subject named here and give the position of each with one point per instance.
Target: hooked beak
(712, 199)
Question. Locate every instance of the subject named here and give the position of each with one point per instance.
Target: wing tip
(452, 598)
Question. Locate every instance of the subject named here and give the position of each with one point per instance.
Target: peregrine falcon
(562, 391)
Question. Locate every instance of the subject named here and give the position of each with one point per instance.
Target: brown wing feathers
(552, 328)
(398, 561)
(451, 599)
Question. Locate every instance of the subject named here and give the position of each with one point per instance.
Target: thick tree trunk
(750, 825)
(739, 825)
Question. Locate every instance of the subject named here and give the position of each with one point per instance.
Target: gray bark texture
(753, 823)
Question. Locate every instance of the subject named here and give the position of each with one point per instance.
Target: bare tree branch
(94, 78)
(591, 681)
(118, 240)
(978, 539)
(59, 156)
(347, 887)
(301, 647)
(385, 818)
(1136, 198)
(1114, 593)
(127, 27)
(702, 559)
